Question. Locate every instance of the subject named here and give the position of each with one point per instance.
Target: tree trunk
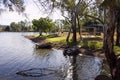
(110, 55)
(67, 39)
(104, 29)
(79, 28)
(117, 69)
(40, 33)
(74, 38)
(118, 28)
(118, 35)
(109, 43)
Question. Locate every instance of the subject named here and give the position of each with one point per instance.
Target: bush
(92, 45)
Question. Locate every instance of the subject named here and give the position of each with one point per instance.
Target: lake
(19, 55)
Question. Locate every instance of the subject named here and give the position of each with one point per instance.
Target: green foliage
(117, 49)
(43, 25)
(92, 44)
(66, 25)
(20, 26)
(17, 5)
(15, 27)
(60, 40)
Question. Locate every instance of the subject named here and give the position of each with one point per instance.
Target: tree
(71, 10)
(17, 5)
(66, 25)
(114, 64)
(14, 26)
(118, 28)
(22, 25)
(62, 25)
(43, 25)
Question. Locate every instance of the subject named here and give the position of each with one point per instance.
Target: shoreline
(85, 51)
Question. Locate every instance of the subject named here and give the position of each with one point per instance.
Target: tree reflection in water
(53, 63)
(84, 67)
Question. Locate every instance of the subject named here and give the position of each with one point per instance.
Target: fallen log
(45, 45)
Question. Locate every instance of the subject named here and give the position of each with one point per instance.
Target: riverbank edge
(91, 52)
(85, 51)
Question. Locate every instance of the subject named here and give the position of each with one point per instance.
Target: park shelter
(93, 29)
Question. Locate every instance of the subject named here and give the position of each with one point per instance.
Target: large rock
(45, 45)
(73, 51)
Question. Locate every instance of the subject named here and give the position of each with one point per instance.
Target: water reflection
(18, 53)
(52, 57)
(87, 68)
(42, 53)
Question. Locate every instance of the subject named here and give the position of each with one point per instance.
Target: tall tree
(43, 25)
(118, 27)
(15, 27)
(112, 59)
(71, 10)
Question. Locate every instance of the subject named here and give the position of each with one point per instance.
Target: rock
(45, 45)
(74, 51)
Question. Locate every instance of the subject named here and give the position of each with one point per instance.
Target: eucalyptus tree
(66, 25)
(43, 25)
(15, 27)
(118, 27)
(22, 25)
(70, 9)
(113, 8)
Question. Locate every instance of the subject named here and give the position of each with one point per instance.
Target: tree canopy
(43, 25)
(17, 5)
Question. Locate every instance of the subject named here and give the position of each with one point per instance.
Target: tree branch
(95, 18)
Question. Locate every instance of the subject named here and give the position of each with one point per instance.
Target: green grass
(57, 40)
(117, 49)
(92, 44)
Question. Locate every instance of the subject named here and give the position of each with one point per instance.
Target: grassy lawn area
(88, 42)
(57, 40)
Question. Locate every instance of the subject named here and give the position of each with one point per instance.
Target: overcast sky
(32, 11)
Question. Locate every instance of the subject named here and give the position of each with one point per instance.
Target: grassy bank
(87, 42)
(60, 40)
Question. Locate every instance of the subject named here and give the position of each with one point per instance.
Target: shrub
(92, 44)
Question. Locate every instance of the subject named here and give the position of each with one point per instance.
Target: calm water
(18, 54)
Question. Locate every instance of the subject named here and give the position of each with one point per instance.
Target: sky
(32, 11)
